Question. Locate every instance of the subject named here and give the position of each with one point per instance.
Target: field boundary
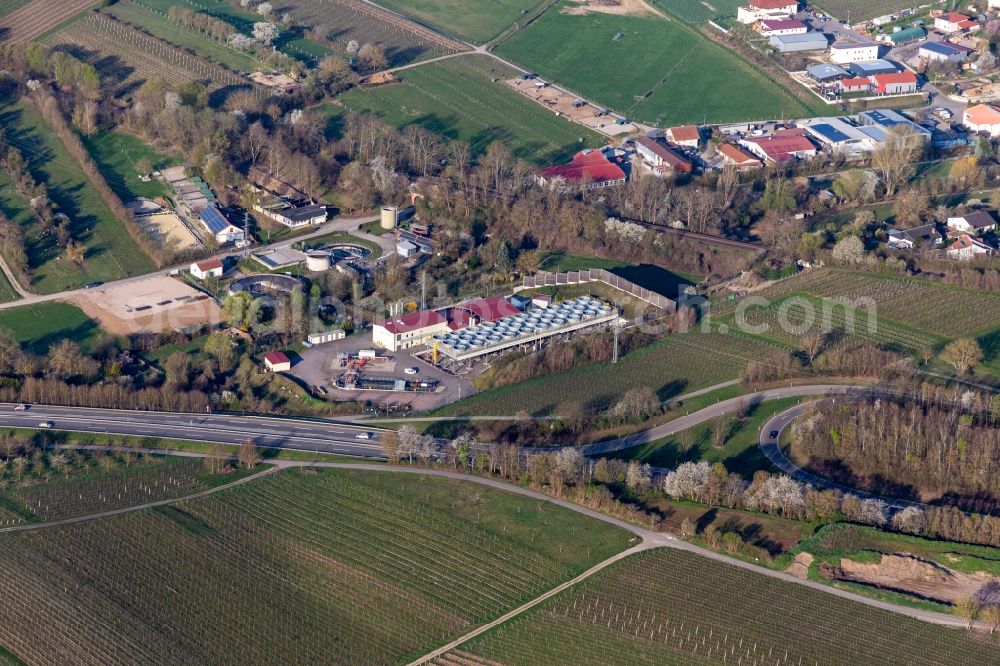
(645, 545)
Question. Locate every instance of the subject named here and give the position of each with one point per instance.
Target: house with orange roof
(982, 118)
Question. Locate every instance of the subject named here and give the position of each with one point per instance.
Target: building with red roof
(952, 22)
(589, 168)
(409, 330)
(895, 83)
(760, 10)
(782, 146)
(207, 268)
(857, 84)
(277, 362)
(735, 156)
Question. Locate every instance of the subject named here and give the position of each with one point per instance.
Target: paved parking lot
(318, 366)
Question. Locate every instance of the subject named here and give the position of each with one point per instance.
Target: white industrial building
(843, 53)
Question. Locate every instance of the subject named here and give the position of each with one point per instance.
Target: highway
(321, 436)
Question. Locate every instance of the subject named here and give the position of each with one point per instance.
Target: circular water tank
(318, 261)
(390, 215)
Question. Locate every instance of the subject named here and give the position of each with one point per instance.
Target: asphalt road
(770, 448)
(321, 436)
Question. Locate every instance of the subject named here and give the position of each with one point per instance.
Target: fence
(598, 275)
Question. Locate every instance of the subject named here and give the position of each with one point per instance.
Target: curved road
(769, 447)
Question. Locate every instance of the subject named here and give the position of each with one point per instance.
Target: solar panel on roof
(214, 220)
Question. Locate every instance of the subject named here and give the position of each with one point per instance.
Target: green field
(674, 365)
(475, 20)
(457, 99)
(671, 607)
(739, 454)
(7, 293)
(143, 15)
(320, 567)
(116, 154)
(111, 252)
(650, 69)
(38, 327)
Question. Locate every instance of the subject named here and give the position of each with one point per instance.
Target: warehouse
(811, 41)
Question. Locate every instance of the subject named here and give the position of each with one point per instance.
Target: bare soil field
(616, 7)
(38, 16)
(168, 231)
(150, 305)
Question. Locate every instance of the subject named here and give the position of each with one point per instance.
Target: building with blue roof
(219, 226)
(943, 52)
(868, 68)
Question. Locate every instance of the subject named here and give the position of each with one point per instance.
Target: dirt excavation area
(912, 575)
(619, 7)
(148, 305)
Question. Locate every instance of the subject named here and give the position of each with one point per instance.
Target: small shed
(406, 249)
(277, 362)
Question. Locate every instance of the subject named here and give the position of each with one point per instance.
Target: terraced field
(459, 99)
(129, 58)
(675, 365)
(670, 607)
(334, 567)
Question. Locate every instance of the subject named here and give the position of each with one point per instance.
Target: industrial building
(843, 53)
(943, 52)
(810, 41)
(523, 329)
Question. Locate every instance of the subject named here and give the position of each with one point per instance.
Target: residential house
(926, 236)
(734, 156)
(943, 52)
(662, 157)
(409, 330)
(982, 118)
(782, 146)
(220, 227)
(978, 222)
(685, 135)
(843, 53)
(760, 10)
(898, 83)
(298, 216)
(953, 22)
(208, 268)
(810, 41)
(781, 26)
(967, 248)
(277, 362)
(590, 169)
